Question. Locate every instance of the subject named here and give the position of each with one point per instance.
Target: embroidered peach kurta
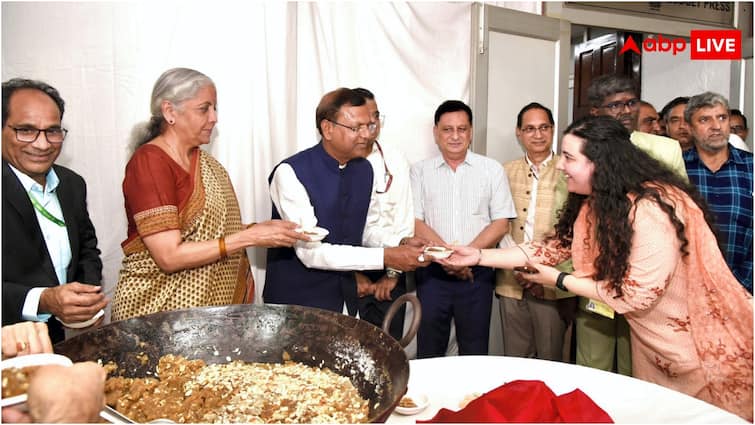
(691, 321)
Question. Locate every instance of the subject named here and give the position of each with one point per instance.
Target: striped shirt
(459, 204)
(728, 192)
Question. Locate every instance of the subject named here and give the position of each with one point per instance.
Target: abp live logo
(704, 44)
(716, 44)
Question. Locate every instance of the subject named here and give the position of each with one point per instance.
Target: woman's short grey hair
(704, 100)
(176, 86)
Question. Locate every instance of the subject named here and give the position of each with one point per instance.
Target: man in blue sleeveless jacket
(330, 185)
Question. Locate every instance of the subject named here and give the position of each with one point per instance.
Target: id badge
(598, 307)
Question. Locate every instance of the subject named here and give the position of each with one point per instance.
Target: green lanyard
(44, 212)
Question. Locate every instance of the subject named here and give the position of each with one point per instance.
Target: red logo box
(716, 44)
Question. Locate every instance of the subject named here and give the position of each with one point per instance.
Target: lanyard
(44, 212)
(388, 175)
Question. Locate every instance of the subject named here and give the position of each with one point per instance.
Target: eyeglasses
(388, 175)
(529, 130)
(619, 106)
(371, 127)
(30, 134)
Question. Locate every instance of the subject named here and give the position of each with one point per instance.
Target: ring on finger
(421, 258)
(21, 345)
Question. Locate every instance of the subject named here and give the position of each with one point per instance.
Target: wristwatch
(393, 274)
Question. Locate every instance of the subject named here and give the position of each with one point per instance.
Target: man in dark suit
(51, 264)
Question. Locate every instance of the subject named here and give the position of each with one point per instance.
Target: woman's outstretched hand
(461, 257)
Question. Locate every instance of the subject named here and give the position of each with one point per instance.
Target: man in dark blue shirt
(723, 174)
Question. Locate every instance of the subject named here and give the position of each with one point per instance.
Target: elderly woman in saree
(642, 242)
(186, 243)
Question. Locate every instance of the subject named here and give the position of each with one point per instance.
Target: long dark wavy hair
(620, 169)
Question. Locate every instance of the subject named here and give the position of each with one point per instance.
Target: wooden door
(600, 56)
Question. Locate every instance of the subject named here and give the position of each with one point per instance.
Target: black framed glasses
(371, 127)
(30, 134)
(388, 176)
(632, 104)
(531, 129)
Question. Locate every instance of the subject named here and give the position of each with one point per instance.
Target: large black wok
(375, 362)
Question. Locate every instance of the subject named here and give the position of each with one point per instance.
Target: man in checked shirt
(723, 174)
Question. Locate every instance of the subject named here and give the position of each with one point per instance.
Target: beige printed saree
(203, 206)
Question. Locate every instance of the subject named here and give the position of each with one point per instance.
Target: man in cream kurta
(532, 326)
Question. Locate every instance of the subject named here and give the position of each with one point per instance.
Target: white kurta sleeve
(292, 202)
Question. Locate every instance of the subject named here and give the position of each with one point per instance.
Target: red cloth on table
(526, 402)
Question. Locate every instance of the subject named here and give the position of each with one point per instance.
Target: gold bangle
(221, 247)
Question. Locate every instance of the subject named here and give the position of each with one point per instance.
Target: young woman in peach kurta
(691, 320)
(640, 242)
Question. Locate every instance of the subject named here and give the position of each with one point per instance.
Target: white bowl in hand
(438, 252)
(315, 234)
(84, 324)
(30, 360)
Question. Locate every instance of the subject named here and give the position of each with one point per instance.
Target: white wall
(511, 87)
(665, 76)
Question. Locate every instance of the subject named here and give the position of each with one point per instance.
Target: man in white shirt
(51, 264)
(330, 185)
(393, 191)
(460, 198)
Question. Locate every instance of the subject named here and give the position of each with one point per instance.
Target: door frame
(486, 18)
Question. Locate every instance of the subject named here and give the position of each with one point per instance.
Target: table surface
(448, 380)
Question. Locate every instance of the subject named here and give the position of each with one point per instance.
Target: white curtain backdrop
(271, 62)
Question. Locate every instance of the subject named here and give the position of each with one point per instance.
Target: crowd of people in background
(582, 238)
